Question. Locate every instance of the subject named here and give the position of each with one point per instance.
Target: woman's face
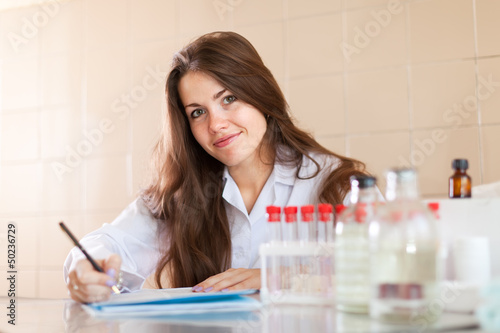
(227, 128)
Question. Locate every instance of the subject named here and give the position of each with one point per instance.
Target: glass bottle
(460, 181)
(404, 255)
(352, 257)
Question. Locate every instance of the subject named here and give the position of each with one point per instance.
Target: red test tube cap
(324, 212)
(339, 208)
(434, 206)
(291, 214)
(307, 212)
(273, 213)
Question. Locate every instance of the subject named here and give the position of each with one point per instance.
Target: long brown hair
(186, 191)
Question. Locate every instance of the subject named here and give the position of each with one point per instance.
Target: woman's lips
(224, 141)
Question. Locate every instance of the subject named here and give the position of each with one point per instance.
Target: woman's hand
(232, 279)
(86, 285)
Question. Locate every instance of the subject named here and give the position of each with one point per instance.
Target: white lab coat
(133, 234)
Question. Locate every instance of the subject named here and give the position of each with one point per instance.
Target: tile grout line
(408, 78)
(478, 104)
(345, 83)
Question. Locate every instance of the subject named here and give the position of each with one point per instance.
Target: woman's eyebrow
(192, 104)
(214, 97)
(219, 94)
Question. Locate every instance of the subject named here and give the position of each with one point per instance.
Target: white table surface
(42, 315)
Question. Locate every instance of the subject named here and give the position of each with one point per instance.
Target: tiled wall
(81, 91)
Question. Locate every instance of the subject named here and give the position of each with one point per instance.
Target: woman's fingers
(112, 265)
(88, 285)
(232, 279)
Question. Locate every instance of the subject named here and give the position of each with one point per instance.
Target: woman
(229, 150)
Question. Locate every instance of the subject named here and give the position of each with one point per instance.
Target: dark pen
(92, 261)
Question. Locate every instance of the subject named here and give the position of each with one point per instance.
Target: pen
(92, 261)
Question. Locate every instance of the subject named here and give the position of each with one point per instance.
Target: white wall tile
(107, 79)
(21, 188)
(61, 128)
(61, 79)
(63, 188)
(488, 27)
(64, 31)
(375, 37)
(20, 136)
(444, 95)
(106, 23)
(380, 152)
(297, 8)
(28, 242)
(197, 17)
(436, 33)
(109, 183)
(314, 45)
(350, 4)
(489, 90)
(268, 41)
(27, 283)
(313, 111)
(334, 144)
(21, 36)
(491, 154)
(256, 11)
(51, 284)
(153, 19)
(19, 88)
(55, 244)
(377, 101)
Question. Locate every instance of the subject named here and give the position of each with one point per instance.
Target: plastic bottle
(352, 261)
(404, 256)
(460, 181)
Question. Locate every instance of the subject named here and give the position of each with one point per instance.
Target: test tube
(308, 227)
(274, 224)
(290, 232)
(326, 233)
(275, 239)
(339, 208)
(325, 223)
(290, 263)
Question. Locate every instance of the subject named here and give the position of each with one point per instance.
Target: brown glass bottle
(460, 181)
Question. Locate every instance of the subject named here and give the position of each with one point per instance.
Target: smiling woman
(230, 149)
(228, 129)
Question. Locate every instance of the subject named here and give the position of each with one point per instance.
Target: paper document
(160, 302)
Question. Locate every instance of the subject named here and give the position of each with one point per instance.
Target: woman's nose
(217, 121)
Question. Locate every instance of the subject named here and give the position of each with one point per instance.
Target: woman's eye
(196, 113)
(229, 99)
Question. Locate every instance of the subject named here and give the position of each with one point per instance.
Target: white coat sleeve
(133, 236)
